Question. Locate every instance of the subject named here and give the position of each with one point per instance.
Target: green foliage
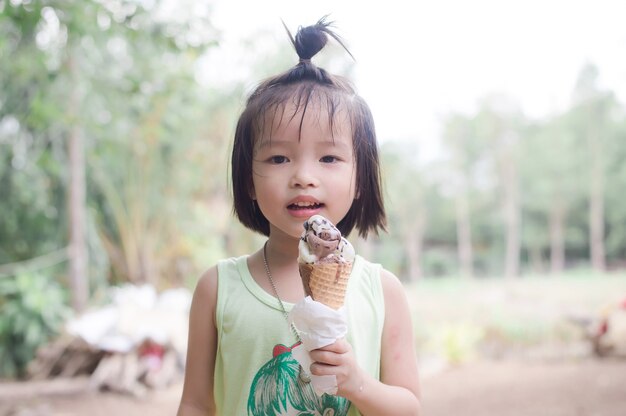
(32, 310)
(121, 75)
(439, 262)
(125, 75)
(457, 342)
(460, 319)
(31, 219)
(31, 209)
(615, 202)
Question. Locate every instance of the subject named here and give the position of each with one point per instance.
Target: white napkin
(318, 326)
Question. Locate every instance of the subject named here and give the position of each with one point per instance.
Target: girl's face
(299, 172)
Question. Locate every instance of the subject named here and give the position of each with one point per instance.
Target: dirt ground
(583, 387)
(572, 388)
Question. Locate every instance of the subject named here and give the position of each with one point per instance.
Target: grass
(461, 319)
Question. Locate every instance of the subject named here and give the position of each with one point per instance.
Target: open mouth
(305, 205)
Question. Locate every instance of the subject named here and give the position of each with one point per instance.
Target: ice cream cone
(326, 282)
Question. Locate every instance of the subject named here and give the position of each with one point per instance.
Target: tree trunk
(536, 258)
(78, 254)
(464, 236)
(511, 218)
(596, 205)
(414, 242)
(557, 237)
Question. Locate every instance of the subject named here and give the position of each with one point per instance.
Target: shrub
(32, 310)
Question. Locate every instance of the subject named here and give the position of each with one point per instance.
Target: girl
(304, 145)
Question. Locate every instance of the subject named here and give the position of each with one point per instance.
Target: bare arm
(197, 398)
(398, 390)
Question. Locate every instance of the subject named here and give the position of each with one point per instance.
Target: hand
(338, 359)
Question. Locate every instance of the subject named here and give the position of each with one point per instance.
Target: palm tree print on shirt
(278, 390)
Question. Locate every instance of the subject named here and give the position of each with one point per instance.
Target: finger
(326, 357)
(341, 346)
(321, 369)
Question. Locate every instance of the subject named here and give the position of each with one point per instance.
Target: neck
(281, 256)
(282, 247)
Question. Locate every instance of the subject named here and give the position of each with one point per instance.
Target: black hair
(301, 85)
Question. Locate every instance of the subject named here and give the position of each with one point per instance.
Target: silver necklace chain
(280, 302)
(303, 375)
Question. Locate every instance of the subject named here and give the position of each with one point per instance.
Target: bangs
(285, 103)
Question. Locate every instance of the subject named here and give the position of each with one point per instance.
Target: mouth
(305, 206)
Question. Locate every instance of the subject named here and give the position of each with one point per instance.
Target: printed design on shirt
(278, 390)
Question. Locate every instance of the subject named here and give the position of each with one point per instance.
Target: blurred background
(502, 128)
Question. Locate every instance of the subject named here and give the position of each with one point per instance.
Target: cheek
(263, 187)
(346, 192)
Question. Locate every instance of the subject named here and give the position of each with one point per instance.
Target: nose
(303, 176)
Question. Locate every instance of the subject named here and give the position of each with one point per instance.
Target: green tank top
(255, 373)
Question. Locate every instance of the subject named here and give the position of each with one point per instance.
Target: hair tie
(305, 61)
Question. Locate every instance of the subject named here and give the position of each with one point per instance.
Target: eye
(278, 159)
(329, 159)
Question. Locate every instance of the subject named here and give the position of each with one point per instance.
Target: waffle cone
(326, 282)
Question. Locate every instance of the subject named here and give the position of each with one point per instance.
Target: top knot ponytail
(310, 40)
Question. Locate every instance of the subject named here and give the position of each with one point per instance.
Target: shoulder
(397, 310)
(214, 281)
(208, 280)
(393, 289)
(384, 282)
(205, 293)
(208, 283)
(380, 278)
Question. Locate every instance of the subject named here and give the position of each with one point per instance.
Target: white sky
(420, 60)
